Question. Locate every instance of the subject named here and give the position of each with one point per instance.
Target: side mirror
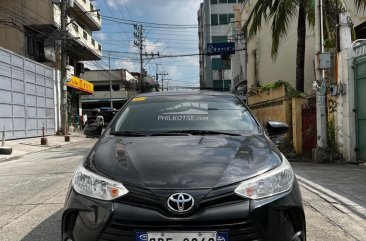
(275, 128)
(93, 130)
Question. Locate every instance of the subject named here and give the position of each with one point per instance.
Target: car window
(185, 115)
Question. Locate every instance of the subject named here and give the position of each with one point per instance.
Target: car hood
(183, 162)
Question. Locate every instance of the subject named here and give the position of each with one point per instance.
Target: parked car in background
(106, 112)
(185, 166)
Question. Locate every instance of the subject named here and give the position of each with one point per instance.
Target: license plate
(182, 236)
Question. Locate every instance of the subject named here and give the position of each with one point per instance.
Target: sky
(118, 37)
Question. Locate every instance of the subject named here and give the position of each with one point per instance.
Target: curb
(341, 203)
(40, 151)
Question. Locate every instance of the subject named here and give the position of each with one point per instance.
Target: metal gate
(26, 96)
(360, 84)
(308, 127)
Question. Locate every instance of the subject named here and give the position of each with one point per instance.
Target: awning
(81, 84)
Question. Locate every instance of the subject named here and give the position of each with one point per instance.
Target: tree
(280, 13)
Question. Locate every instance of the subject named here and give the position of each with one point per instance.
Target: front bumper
(279, 218)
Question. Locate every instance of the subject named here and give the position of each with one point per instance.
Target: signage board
(81, 84)
(221, 48)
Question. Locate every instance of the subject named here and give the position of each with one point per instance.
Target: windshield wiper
(205, 132)
(199, 132)
(127, 133)
(171, 133)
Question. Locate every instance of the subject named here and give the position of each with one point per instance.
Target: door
(360, 81)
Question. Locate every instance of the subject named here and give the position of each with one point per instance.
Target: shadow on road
(48, 230)
(62, 153)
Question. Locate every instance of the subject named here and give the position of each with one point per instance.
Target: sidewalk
(342, 185)
(27, 146)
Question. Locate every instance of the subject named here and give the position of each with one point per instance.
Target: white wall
(284, 66)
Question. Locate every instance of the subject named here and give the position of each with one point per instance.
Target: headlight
(92, 185)
(276, 181)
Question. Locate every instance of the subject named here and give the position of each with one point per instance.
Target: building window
(106, 88)
(223, 19)
(91, 7)
(213, 1)
(98, 15)
(35, 49)
(222, 1)
(214, 19)
(85, 35)
(76, 27)
(230, 16)
(99, 47)
(219, 39)
(231, 1)
(93, 42)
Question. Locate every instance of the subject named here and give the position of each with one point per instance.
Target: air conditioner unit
(50, 53)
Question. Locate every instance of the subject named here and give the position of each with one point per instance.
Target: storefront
(76, 88)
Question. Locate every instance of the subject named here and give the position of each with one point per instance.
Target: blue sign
(220, 48)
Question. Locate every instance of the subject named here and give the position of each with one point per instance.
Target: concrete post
(297, 124)
(321, 152)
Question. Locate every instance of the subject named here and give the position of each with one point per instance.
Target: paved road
(32, 191)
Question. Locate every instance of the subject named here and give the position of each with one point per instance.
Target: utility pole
(157, 74)
(162, 79)
(167, 85)
(138, 42)
(110, 80)
(321, 151)
(64, 120)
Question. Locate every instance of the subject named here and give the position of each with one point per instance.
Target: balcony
(86, 40)
(82, 9)
(84, 44)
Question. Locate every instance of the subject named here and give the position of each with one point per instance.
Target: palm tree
(281, 13)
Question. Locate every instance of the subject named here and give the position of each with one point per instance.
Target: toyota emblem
(180, 202)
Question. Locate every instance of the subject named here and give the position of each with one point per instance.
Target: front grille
(239, 230)
(156, 199)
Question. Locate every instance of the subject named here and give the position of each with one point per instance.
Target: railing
(87, 6)
(78, 32)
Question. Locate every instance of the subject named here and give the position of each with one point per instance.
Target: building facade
(239, 59)
(262, 68)
(31, 28)
(124, 86)
(344, 104)
(213, 22)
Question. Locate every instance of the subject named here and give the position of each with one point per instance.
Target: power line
(164, 25)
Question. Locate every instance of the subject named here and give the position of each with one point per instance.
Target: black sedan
(185, 166)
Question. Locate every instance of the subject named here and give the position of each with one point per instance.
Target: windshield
(170, 115)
